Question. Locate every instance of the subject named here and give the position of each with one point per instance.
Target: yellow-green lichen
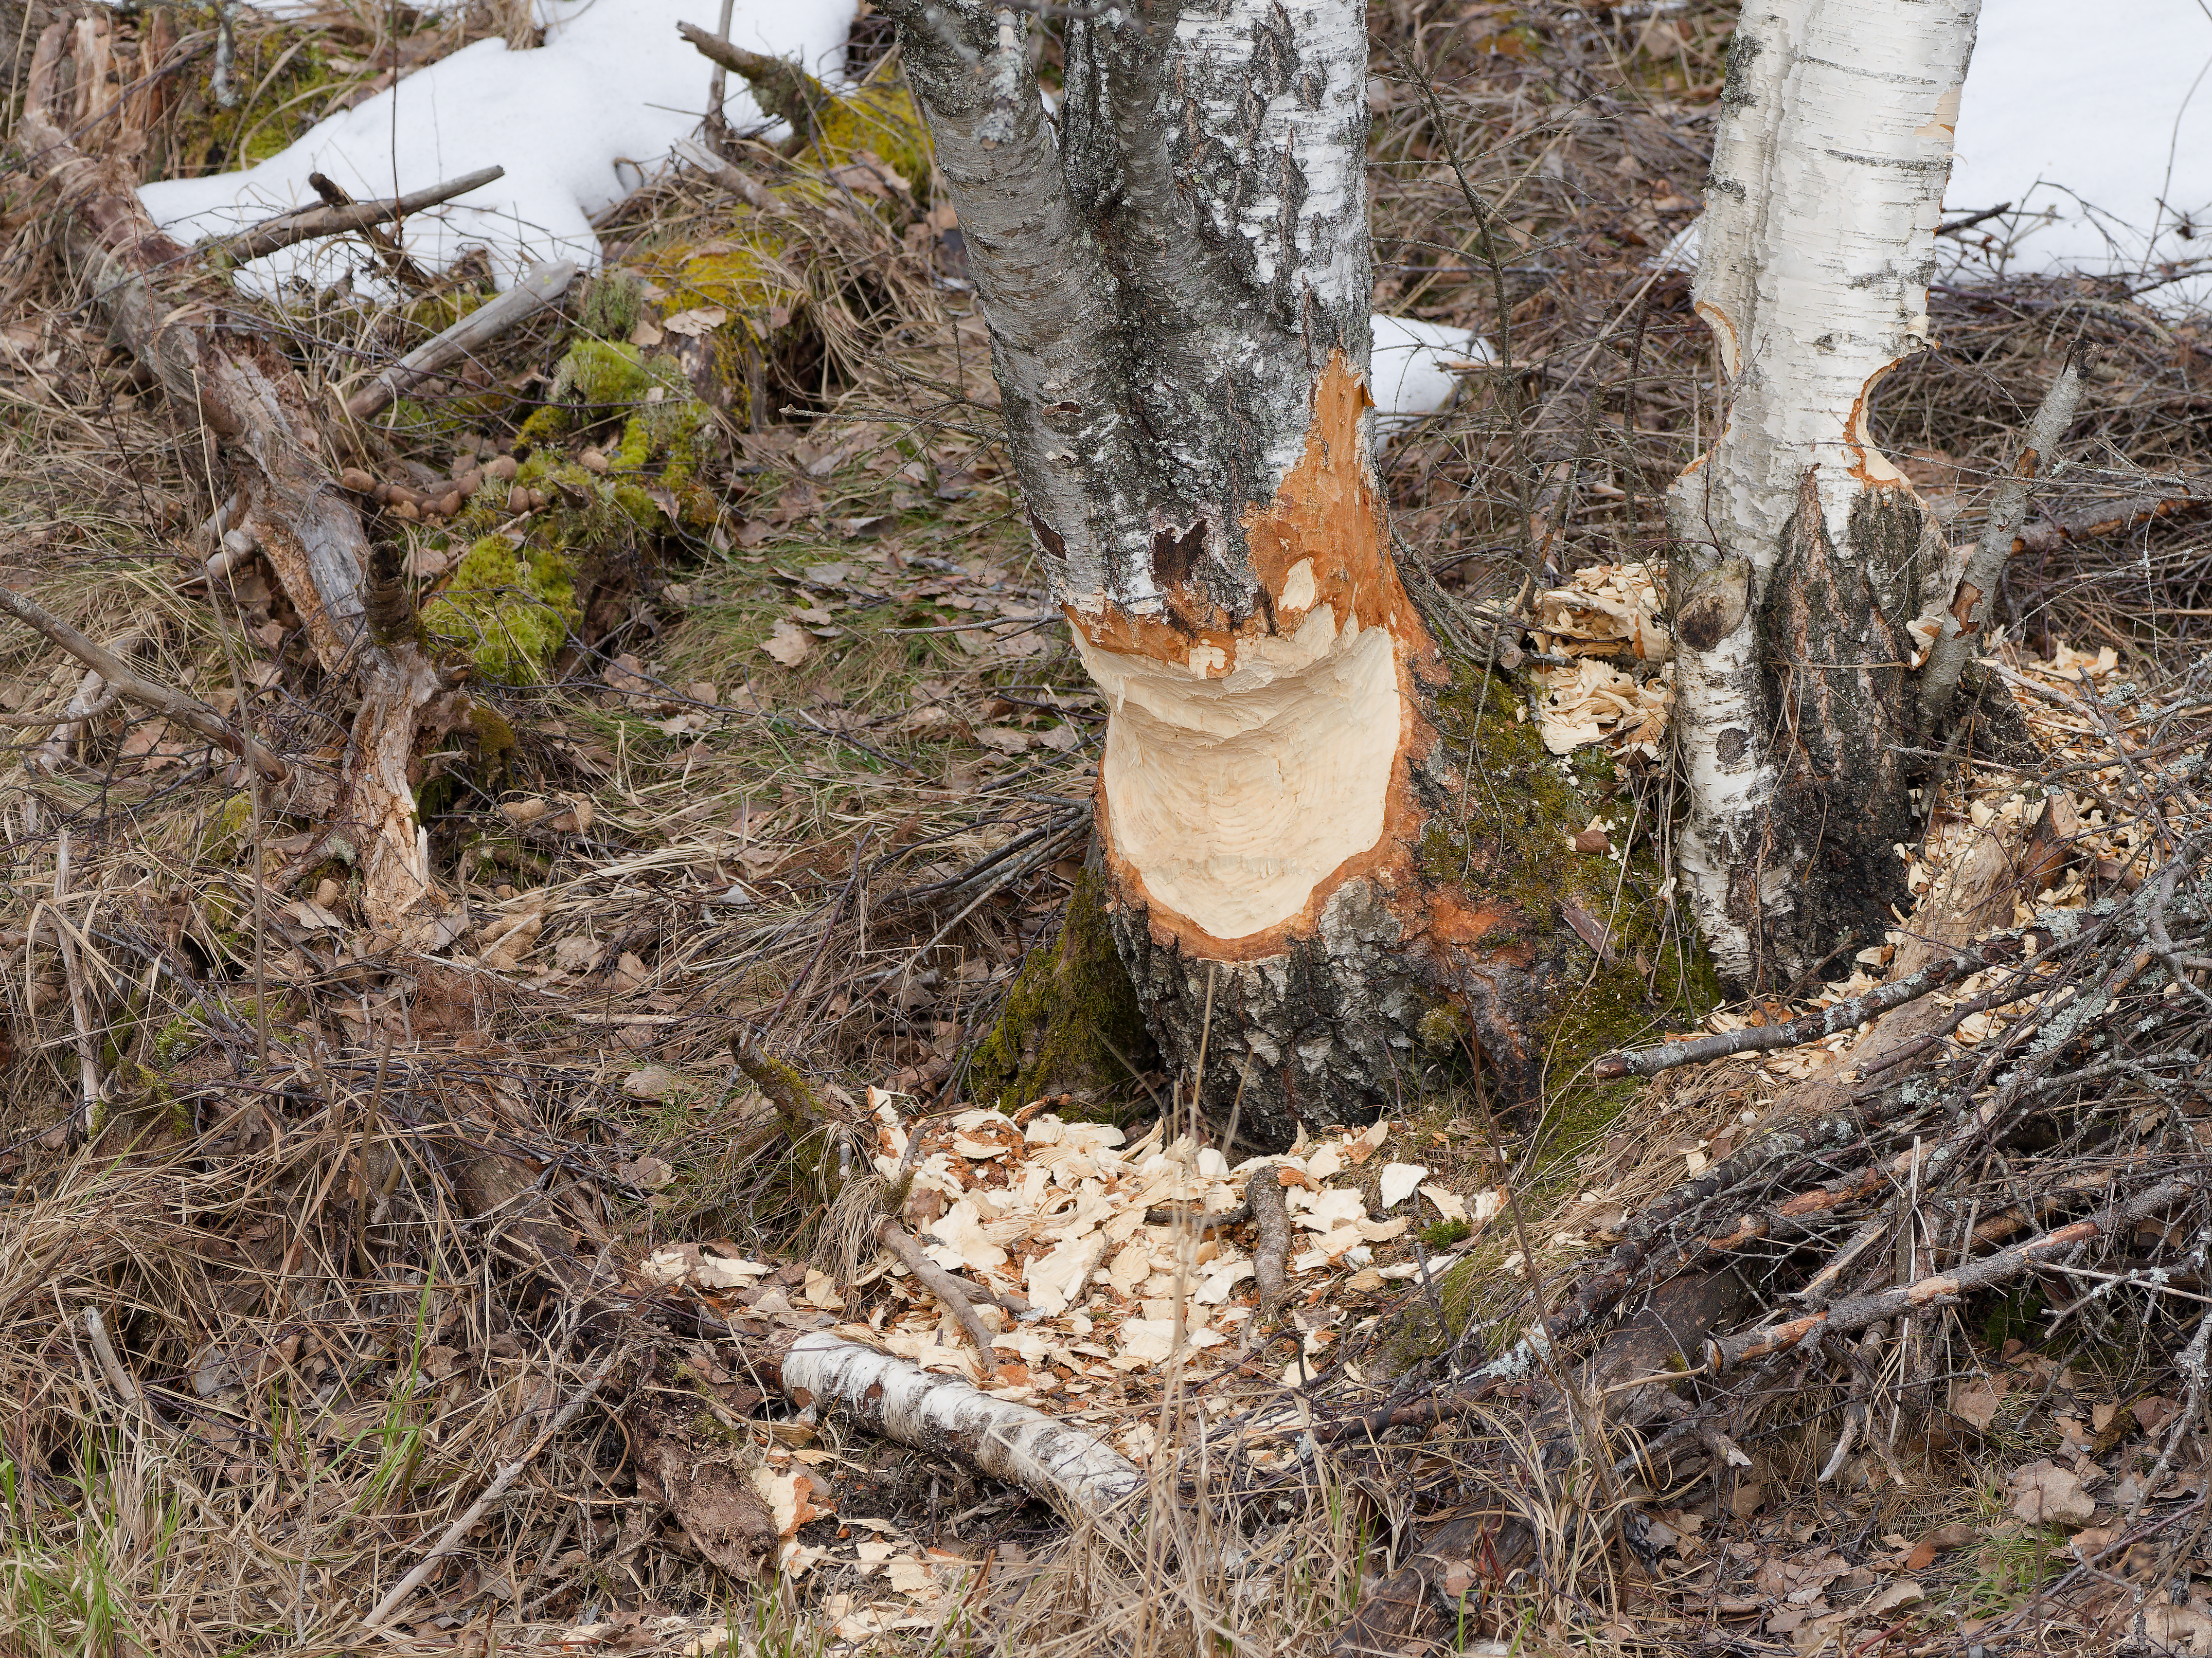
(507, 609)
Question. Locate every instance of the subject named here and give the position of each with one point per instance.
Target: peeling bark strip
(1177, 284)
(168, 311)
(1800, 549)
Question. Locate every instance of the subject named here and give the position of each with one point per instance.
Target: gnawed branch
(1969, 611)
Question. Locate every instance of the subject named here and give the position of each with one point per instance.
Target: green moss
(611, 306)
(507, 609)
(231, 830)
(1523, 807)
(1446, 1233)
(1071, 1023)
(177, 1040)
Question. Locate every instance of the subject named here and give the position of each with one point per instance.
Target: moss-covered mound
(1071, 1023)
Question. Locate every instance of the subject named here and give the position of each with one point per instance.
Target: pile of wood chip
(1616, 684)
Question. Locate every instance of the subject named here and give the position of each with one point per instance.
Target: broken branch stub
(1968, 613)
(169, 313)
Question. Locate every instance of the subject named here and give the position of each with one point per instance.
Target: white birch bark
(1080, 1475)
(1799, 547)
(1177, 281)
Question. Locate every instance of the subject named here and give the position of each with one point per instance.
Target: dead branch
(741, 184)
(781, 87)
(1942, 1288)
(92, 697)
(450, 1542)
(308, 223)
(1263, 1194)
(250, 399)
(2184, 496)
(127, 683)
(1815, 1027)
(1963, 619)
(938, 1282)
(541, 285)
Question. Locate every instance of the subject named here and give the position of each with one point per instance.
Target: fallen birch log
(288, 229)
(1077, 1473)
(167, 310)
(541, 285)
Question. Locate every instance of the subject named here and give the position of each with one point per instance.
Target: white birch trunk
(1800, 549)
(1177, 281)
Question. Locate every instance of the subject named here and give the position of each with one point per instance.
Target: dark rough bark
(1839, 698)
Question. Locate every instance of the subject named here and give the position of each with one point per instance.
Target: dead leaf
(702, 319)
(1975, 1403)
(1903, 1592)
(789, 643)
(2044, 1494)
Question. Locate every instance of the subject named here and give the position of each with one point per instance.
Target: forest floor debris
(766, 725)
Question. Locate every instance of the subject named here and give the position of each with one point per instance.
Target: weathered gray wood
(541, 286)
(167, 309)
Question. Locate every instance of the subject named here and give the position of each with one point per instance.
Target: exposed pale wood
(309, 222)
(541, 285)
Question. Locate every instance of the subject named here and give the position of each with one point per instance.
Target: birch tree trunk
(1177, 279)
(1799, 551)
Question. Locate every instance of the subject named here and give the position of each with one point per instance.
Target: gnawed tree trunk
(1177, 279)
(168, 312)
(1799, 551)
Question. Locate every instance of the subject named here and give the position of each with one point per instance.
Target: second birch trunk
(1800, 551)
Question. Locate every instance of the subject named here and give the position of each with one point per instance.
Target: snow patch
(1410, 376)
(579, 123)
